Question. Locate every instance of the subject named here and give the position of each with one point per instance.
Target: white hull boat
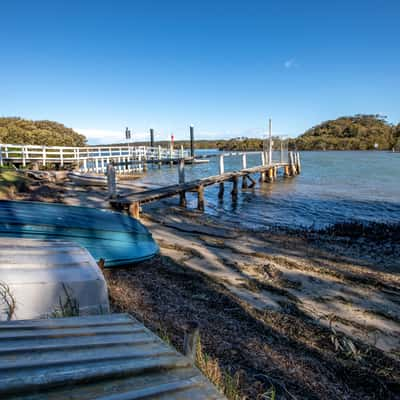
(87, 179)
(49, 278)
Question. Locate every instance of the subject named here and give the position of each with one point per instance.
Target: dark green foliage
(22, 131)
(359, 132)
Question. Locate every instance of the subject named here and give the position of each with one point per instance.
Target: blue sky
(223, 66)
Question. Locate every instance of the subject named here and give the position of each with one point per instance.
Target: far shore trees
(15, 130)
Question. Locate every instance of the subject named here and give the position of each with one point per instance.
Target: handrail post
(221, 164)
(111, 181)
(244, 161)
(44, 155)
(181, 171)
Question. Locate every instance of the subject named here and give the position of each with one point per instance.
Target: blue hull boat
(112, 236)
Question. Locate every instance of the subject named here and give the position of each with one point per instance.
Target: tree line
(15, 130)
(358, 132)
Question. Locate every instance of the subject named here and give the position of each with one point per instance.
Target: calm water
(333, 186)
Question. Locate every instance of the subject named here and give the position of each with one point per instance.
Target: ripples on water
(333, 187)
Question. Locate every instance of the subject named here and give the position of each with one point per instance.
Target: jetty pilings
(132, 200)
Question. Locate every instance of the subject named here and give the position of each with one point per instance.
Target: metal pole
(151, 137)
(191, 141)
(270, 141)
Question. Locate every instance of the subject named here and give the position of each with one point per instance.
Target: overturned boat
(114, 237)
(86, 179)
(49, 278)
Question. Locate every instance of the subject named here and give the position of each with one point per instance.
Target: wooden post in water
(298, 163)
(271, 175)
(234, 186)
(262, 174)
(292, 164)
(200, 198)
(221, 172)
(244, 166)
(181, 172)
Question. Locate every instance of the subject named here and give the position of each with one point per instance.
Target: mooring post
(200, 198)
(111, 181)
(221, 172)
(151, 137)
(190, 340)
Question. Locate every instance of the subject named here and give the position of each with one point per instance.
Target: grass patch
(11, 182)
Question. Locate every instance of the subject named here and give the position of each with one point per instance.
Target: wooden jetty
(267, 171)
(91, 159)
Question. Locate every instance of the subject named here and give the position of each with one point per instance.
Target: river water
(333, 187)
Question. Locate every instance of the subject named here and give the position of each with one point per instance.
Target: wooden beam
(253, 181)
(134, 209)
(182, 199)
(244, 182)
(200, 198)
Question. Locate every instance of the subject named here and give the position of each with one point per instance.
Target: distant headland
(358, 132)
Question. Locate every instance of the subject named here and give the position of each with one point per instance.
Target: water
(333, 187)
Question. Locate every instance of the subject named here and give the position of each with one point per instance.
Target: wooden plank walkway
(132, 201)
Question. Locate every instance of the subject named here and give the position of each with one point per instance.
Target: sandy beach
(302, 314)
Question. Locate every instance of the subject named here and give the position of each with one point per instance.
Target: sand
(302, 314)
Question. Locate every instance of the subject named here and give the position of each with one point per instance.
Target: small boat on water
(200, 161)
(114, 237)
(86, 179)
(49, 278)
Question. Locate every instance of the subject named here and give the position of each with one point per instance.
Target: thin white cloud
(290, 63)
(101, 136)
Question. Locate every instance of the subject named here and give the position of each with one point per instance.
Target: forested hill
(359, 132)
(22, 131)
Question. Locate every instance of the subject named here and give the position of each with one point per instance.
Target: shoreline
(309, 314)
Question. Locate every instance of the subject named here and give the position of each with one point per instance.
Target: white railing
(24, 154)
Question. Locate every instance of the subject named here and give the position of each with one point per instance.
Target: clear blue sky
(224, 66)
